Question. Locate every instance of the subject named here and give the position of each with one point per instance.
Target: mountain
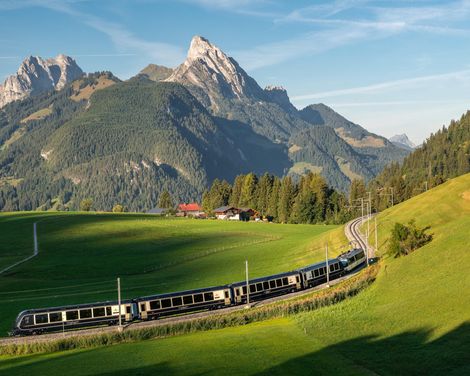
(36, 75)
(170, 129)
(444, 155)
(155, 72)
(402, 141)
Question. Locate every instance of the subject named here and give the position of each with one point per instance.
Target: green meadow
(80, 256)
(413, 320)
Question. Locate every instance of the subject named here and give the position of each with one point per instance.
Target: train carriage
(352, 259)
(151, 307)
(262, 288)
(36, 321)
(315, 274)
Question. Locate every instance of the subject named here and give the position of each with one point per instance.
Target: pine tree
(237, 191)
(248, 197)
(165, 201)
(286, 199)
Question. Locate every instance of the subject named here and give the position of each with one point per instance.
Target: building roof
(190, 207)
(224, 209)
(157, 211)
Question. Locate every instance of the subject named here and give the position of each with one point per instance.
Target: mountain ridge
(36, 75)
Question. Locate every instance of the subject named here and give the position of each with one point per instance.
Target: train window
(237, 292)
(297, 279)
(188, 299)
(55, 317)
(71, 315)
(108, 311)
(142, 307)
(198, 298)
(85, 313)
(128, 309)
(285, 281)
(226, 294)
(27, 320)
(177, 301)
(99, 312)
(266, 285)
(279, 282)
(41, 319)
(316, 273)
(252, 289)
(272, 284)
(244, 290)
(155, 304)
(166, 303)
(259, 286)
(208, 296)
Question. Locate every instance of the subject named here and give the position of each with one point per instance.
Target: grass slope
(80, 256)
(414, 320)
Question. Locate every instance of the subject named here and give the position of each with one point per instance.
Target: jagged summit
(36, 75)
(209, 68)
(402, 140)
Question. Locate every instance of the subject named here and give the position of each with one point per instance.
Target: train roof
(266, 278)
(178, 293)
(351, 252)
(318, 265)
(74, 306)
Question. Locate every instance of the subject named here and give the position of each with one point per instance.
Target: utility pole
(362, 210)
(247, 284)
(391, 190)
(119, 301)
(425, 186)
(327, 267)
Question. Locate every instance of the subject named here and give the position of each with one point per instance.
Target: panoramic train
(54, 319)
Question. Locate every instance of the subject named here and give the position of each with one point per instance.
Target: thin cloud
(122, 38)
(9, 57)
(384, 86)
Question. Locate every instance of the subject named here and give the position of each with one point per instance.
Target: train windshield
(27, 321)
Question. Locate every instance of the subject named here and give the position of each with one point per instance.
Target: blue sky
(393, 67)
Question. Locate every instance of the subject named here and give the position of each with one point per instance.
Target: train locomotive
(64, 318)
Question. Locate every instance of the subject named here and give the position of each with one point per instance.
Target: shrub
(405, 239)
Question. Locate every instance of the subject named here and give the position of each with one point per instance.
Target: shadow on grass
(408, 353)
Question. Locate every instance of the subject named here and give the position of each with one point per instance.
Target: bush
(405, 239)
(118, 208)
(86, 204)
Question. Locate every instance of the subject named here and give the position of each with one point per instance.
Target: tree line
(308, 199)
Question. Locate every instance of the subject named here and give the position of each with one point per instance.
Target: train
(73, 317)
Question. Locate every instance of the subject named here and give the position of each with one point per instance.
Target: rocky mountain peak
(402, 141)
(36, 75)
(209, 68)
(278, 94)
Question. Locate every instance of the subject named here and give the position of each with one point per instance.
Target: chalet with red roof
(190, 210)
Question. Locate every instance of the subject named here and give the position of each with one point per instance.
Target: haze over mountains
(175, 129)
(402, 140)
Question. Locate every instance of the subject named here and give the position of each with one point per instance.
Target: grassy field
(80, 256)
(414, 320)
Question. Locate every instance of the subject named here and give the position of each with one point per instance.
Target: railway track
(351, 231)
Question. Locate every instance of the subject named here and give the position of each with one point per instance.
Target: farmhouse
(190, 210)
(225, 212)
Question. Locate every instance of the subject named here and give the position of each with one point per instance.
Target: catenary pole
(119, 301)
(376, 236)
(247, 284)
(327, 267)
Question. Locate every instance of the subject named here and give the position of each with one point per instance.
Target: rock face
(278, 94)
(402, 141)
(37, 75)
(218, 75)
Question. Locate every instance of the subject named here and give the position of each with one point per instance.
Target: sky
(391, 66)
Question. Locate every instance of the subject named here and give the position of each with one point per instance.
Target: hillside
(413, 320)
(150, 254)
(444, 155)
(170, 129)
